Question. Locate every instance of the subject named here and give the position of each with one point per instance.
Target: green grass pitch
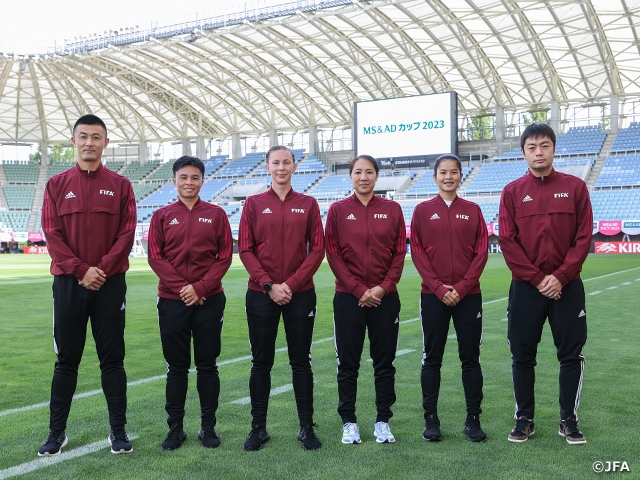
(609, 408)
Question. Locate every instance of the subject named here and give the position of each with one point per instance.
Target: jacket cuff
(293, 284)
(441, 291)
(562, 278)
(81, 271)
(199, 289)
(461, 289)
(359, 290)
(262, 280)
(388, 286)
(537, 278)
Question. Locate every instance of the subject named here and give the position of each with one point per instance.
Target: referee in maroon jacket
(366, 248)
(89, 219)
(190, 249)
(545, 235)
(449, 249)
(281, 245)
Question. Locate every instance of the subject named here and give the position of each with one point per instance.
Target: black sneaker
(257, 438)
(308, 437)
(472, 429)
(569, 429)
(53, 444)
(119, 441)
(522, 431)
(175, 438)
(208, 437)
(432, 429)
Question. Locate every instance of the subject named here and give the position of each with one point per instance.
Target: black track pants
(350, 322)
(435, 317)
(73, 306)
(528, 309)
(263, 317)
(178, 324)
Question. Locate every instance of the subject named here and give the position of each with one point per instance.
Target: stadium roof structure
(304, 63)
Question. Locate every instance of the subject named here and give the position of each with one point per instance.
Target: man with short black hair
(545, 235)
(89, 219)
(190, 249)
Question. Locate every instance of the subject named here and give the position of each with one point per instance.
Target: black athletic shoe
(569, 430)
(522, 431)
(208, 437)
(432, 429)
(308, 437)
(472, 429)
(175, 438)
(119, 441)
(257, 438)
(53, 444)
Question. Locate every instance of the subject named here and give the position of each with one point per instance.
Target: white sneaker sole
(122, 450)
(352, 442)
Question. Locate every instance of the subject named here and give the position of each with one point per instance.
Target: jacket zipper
(282, 240)
(189, 245)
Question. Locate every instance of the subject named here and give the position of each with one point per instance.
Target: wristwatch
(267, 286)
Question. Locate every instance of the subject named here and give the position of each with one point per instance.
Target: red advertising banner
(610, 227)
(36, 250)
(35, 237)
(617, 247)
(489, 228)
(145, 235)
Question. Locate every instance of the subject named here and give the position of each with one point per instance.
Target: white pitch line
(275, 391)
(596, 292)
(611, 288)
(248, 357)
(45, 462)
(626, 283)
(452, 336)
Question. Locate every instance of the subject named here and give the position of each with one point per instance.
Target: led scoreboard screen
(410, 127)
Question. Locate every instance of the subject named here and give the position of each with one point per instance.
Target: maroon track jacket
(273, 239)
(89, 219)
(546, 225)
(190, 247)
(366, 246)
(449, 245)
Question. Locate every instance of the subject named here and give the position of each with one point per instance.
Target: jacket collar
(90, 173)
(374, 200)
(547, 179)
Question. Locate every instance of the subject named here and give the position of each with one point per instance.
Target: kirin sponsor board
(617, 247)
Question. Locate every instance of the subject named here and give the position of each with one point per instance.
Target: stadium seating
(302, 182)
(627, 140)
(136, 172)
(19, 197)
(311, 164)
(57, 168)
(160, 197)
(17, 173)
(163, 173)
(16, 221)
(620, 170)
(333, 187)
(616, 204)
(241, 166)
(144, 189)
(213, 164)
(213, 188)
